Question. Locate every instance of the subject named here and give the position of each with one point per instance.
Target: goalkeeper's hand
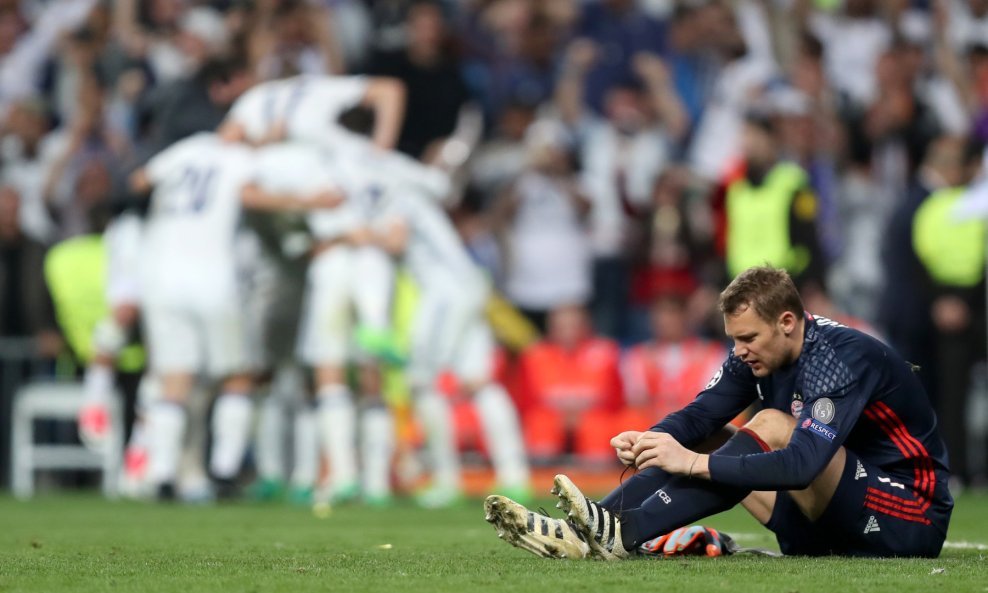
(689, 541)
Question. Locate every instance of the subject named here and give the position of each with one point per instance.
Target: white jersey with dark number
(309, 106)
(195, 210)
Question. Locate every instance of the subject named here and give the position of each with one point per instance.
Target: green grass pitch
(81, 543)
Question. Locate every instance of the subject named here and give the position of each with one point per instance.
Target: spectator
(512, 60)
(626, 31)
(622, 154)
(571, 385)
(432, 74)
(748, 67)
(676, 253)
(199, 104)
(854, 40)
(665, 374)
(542, 215)
(293, 37)
(24, 48)
(25, 307)
(502, 157)
(29, 150)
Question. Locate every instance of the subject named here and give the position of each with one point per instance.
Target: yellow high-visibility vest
(75, 271)
(951, 250)
(758, 230)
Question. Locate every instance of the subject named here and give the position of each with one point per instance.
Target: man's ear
(787, 322)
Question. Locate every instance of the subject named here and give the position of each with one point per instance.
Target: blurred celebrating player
(450, 334)
(191, 299)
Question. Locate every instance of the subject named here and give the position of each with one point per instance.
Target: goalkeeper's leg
(636, 488)
(683, 500)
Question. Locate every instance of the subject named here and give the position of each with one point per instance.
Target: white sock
(376, 448)
(193, 480)
(97, 384)
(437, 419)
(502, 433)
(306, 468)
(337, 420)
(269, 444)
(232, 417)
(165, 431)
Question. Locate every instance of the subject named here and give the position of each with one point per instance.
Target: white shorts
(272, 292)
(372, 287)
(199, 340)
(122, 239)
(449, 334)
(326, 321)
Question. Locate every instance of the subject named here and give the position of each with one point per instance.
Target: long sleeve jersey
(846, 388)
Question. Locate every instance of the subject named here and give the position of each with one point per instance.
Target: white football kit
(341, 277)
(307, 105)
(449, 331)
(190, 294)
(123, 239)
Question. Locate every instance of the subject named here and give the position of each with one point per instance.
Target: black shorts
(871, 514)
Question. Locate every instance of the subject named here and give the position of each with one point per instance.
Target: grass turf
(81, 543)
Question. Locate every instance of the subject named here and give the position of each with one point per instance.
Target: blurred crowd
(614, 164)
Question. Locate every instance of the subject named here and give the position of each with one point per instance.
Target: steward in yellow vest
(951, 252)
(75, 270)
(771, 212)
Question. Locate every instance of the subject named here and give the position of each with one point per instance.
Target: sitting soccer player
(844, 457)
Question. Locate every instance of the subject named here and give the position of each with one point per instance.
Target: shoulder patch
(716, 378)
(823, 410)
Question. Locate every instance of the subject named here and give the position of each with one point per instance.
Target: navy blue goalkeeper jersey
(846, 388)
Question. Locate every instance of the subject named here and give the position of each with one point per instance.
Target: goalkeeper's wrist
(700, 467)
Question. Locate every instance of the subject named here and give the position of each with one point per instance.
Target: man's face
(567, 326)
(763, 346)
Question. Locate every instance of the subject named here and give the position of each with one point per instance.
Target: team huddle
(282, 202)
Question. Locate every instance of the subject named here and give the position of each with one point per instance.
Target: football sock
(232, 416)
(376, 448)
(337, 418)
(436, 417)
(166, 422)
(306, 447)
(193, 480)
(635, 489)
(97, 383)
(269, 443)
(502, 433)
(683, 500)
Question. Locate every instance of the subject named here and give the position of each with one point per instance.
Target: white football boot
(600, 527)
(533, 532)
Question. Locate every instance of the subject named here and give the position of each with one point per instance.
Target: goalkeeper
(844, 457)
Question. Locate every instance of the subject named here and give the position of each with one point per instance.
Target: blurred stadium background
(599, 151)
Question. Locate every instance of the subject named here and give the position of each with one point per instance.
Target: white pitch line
(959, 545)
(965, 545)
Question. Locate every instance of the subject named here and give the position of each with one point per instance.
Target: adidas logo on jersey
(860, 472)
(872, 525)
